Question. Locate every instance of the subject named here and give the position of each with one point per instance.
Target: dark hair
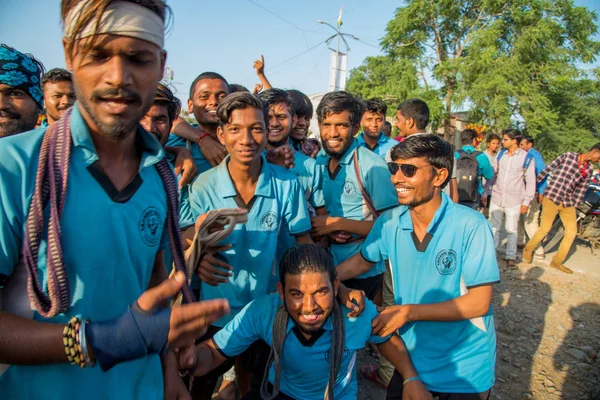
(93, 12)
(595, 147)
(240, 101)
(387, 123)
(513, 134)
(57, 75)
(434, 149)
(301, 103)
(529, 139)
(417, 110)
(305, 258)
(337, 102)
(236, 87)
(165, 96)
(206, 75)
(277, 96)
(491, 137)
(376, 105)
(467, 136)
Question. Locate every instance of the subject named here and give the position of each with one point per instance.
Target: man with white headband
(87, 207)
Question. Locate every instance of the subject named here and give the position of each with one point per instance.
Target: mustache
(120, 93)
(9, 114)
(62, 108)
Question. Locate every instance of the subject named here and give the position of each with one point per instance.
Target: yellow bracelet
(72, 344)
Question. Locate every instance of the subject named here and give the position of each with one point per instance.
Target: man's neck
(50, 120)
(210, 128)
(242, 174)
(370, 141)
(512, 150)
(415, 132)
(585, 157)
(422, 215)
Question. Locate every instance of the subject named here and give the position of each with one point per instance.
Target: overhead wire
(281, 18)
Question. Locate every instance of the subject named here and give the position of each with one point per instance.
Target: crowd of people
(328, 243)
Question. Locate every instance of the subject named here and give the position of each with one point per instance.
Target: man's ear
(190, 106)
(336, 286)
(280, 290)
(440, 177)
(356, 129)
(410, 123)
(220, 134)
(294, 121)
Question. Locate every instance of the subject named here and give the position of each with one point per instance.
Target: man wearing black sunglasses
(443, 265)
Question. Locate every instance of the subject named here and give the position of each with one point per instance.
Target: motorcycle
(588, 222)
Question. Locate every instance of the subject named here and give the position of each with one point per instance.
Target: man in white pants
(512, 192)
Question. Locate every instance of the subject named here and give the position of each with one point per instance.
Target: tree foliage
(509, 61)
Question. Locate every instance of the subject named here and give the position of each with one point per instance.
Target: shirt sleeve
(479, 264)
(295, 211)
(316, 199)
(485, 168)
(553, 165)
(580, 189)
(378, 184)
(241, 332)
(197, 206)
(372, 313)
(530, 185)
(373, 248)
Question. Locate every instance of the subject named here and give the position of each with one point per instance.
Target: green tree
(507, 60)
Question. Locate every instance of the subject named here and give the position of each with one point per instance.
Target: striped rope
(49, 193)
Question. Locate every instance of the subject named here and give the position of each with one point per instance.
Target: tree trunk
(448, 109)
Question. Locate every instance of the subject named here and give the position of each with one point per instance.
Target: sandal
(511, 264)
(371, 373)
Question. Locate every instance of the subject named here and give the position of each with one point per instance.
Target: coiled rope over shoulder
(50, 191)
(338, 343)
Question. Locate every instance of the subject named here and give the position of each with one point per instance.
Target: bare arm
(353, 267)
(475, 303)
(27, 342)
(207, 358)
(395, 352)
(259, 66)
(304, 239)
(324, 225)
(453, 190)
(184, 130)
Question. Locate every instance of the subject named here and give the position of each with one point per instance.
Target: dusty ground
(548, 329)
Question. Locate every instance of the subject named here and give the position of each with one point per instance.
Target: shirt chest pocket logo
(349, 190)
(268, 222)
(446, 261)
(149, 226)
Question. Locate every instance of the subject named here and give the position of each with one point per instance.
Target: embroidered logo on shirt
(149, 226)
(349, 189)
(446, 261)
(268, 222)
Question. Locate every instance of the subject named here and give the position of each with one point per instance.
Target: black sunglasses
(408, 170)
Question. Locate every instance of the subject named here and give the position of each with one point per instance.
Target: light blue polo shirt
(457, 254)
(311, 180)
(344, 199)
(186, 219)
(201, 162)
(109, 251)
(305, 363)
(278, 200)
(384, 144)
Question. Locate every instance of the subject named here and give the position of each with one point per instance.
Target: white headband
(121, 18)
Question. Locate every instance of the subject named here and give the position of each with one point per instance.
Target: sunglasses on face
(408, 170)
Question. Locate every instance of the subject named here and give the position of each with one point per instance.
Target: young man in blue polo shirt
(273, 197)
(356, 186)
(372, 122)
(206, 92)
(312, 333)
(472, 166)
(95, 278)
(443, 265)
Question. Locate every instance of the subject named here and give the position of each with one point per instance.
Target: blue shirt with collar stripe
(384, 144)
(343, 197)
(305, 364)
(452, 357)
(278, 200)
(109, 251)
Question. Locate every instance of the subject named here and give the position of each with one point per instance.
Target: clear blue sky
(226, 36)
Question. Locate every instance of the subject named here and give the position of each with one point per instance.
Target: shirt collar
(468, 148)
(406, 221)
(323, 157)
(152, 150)
(225, 188)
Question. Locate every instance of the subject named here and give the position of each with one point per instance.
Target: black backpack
(467, 175)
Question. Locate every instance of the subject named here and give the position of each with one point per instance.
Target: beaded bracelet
(71, 340)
